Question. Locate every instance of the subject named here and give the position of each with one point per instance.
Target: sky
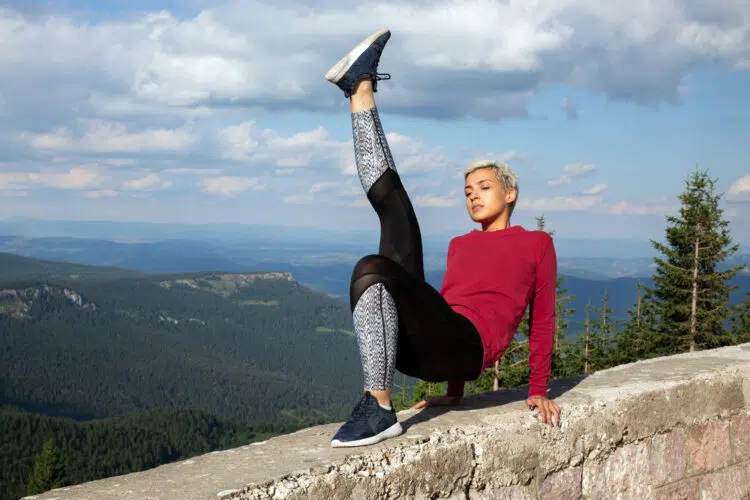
(218, 112)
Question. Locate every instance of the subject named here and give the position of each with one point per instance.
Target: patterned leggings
(400, 320)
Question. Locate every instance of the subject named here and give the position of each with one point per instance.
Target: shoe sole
(340, 68)
(392, 431)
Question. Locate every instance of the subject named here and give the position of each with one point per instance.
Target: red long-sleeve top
(492, 277)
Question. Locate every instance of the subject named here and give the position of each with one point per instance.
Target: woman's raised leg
(374, 310)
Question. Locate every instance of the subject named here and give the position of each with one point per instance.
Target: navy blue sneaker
(360, 63)
(369, 423)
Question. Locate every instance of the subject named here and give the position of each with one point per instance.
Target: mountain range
(237, 248)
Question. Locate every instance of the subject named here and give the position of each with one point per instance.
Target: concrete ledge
(676, 426)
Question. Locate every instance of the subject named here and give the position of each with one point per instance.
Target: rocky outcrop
(17, 303)
(225, 284)
(676, 427)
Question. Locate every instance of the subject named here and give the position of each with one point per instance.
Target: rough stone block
(623, 474)
(708, 446)
(699, 399)
(667, 459)
(740, 432)
(564, 484)
(686, 489)
(732, 483)
(507, 460)
(437, 473)
(516, 492)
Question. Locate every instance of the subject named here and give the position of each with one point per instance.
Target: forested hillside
(174, 364)
(244, 347)
(109, 447)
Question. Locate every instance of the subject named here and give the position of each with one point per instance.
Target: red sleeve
(542, 320)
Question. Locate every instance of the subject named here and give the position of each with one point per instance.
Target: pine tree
(690, 296)
(48, 470)
(635, 340)
(581, 356)
(424, 390)
(601, 336)
(400, 401)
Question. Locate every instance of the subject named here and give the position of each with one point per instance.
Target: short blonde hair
(503, 172)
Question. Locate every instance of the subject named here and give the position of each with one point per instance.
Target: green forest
(107, 371)
(70, 452)
(247, 353)
(686, 309)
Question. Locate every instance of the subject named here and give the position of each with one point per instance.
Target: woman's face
(486, 199)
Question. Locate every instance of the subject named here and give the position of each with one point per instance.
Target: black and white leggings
(400, 320)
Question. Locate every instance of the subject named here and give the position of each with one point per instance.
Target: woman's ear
(510, 195)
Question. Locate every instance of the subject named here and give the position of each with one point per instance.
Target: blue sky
(218, 112)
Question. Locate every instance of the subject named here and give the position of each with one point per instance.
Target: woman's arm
(542, 320)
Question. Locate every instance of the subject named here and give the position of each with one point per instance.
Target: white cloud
(654, 206)
(14, 193)
(142, 183)
(119, 162)
(299, 199)
(13, 180)
(142, 89)
(192, 171)
(572, 171)
(512, 156)
(233, 54)
(560, 203)
(741, 187)
(410, 155)
(75, 178)
(264, 147)
(435, 201)
(739, 191)
(101, 193)
(596, 189)
(323, 186)
(229, 185)
(102, 137)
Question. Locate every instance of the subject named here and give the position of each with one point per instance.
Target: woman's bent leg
(434, 342)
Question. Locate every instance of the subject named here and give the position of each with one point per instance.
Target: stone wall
(676, 427)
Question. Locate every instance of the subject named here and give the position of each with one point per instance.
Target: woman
(493, 275)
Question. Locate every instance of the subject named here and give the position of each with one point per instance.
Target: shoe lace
(381, 76)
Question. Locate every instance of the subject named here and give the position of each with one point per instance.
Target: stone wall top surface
(493, 440)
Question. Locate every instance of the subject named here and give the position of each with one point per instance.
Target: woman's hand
(439, 401)
(548, 410)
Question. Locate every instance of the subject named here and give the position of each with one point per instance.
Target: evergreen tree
(582, 361)
(690, 296)
(601, 336)
(635, 340)
(424, 390)
(48, 470)
(400, 398)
